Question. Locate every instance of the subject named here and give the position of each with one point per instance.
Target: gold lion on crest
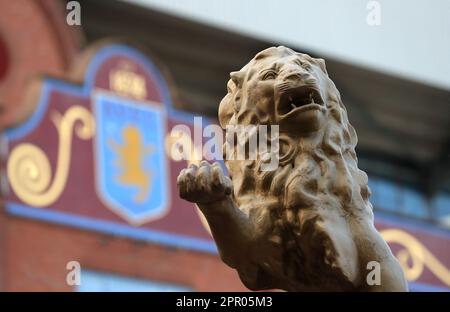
(131, 155)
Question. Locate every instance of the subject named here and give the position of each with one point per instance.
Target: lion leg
(372, 247)
(211, 190)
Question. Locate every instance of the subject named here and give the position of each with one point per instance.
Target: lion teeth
(296, 102)
(311, 98)
(291, 102)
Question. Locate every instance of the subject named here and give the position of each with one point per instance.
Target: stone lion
(307, 225)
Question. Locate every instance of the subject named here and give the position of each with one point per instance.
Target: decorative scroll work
(414, 257)
(28, 167)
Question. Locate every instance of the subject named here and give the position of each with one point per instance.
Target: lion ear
(321, 63)
(226, 110)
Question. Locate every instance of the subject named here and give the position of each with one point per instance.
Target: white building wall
(412, 40)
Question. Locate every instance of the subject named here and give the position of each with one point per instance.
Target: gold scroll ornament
(414, 257)
(28, 167)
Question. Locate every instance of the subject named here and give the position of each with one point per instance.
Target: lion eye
(237, 103)
(306, 66)
(269, 75)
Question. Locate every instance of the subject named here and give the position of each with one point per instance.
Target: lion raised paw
(204, 184)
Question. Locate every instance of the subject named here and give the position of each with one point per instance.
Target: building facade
(88, 174)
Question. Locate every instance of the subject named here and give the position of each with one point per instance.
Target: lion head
(317, 187)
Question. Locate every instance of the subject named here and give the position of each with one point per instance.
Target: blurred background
(389, 59)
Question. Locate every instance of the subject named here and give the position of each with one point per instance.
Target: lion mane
(309, 205)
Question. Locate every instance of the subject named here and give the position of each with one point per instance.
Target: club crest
(131, 167)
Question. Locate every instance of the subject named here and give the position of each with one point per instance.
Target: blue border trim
(112, 228)
(387, 219)
(36, 117)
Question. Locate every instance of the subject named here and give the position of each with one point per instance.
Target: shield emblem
(131, 173)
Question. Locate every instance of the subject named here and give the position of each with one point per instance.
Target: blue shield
(130, 162)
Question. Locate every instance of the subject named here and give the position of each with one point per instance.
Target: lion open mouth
(299, 99)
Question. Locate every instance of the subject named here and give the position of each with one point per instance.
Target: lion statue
(308, 224)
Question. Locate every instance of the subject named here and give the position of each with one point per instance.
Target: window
(92, 281)
(396, 198)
